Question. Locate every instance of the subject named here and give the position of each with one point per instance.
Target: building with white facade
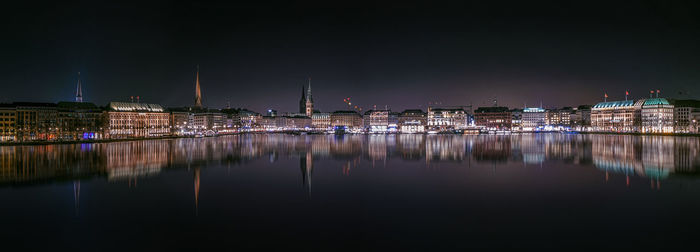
(533, 119)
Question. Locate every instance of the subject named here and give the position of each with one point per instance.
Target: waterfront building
(559, 117)
(79, 121)
(249, 119)
(686, 114)
(269, 123)
(8, 114)
(377, 121)
(179, 120)
(657, 116)
(534, 119)
(412, 121)
(516, 116)
(493, 117)
(447, 118)
(393, 122)
(232, 119)
(321, 120)
(616, 116)
(580, 118)
(136, 120)
(349, 119)
(306, 104)
(36, 121)
(207, 121)
(297, 123)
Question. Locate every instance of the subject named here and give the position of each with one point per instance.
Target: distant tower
(309, 101)
(79, 91)
(302, 102)
(197, 92)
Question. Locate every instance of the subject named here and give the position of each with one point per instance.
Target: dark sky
(403, 55)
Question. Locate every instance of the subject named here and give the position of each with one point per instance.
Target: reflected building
(445, 148)
(492, 148)
(656, 157)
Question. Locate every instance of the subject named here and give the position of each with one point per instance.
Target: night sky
(401, 55)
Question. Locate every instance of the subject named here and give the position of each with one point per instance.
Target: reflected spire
(76, 196)
(306, 165)
(196, 190)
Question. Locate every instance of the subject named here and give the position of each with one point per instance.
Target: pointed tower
(197, 92)
(79, 91)
(302, 102)
(309, 105)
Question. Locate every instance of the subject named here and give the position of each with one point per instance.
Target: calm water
(354, 192)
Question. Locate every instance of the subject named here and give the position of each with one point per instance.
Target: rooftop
(135, 107)
(615, 104)
(655, 101)
(491, 110)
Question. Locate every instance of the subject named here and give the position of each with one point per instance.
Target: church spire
(79, 91)
(302, 101)
(308, 92)
(197, 92)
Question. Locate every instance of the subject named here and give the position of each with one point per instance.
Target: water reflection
(656, 157)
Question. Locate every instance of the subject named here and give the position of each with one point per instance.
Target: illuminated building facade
(179, 122)
(493, 117)
(686, 114)
(249, 119)
(269, 123)
(412, 121)
(207, 121)
(136, 120)
(580, 118)
(559, 117)
(534, 119)
(446, 118)
(350, 119)
(516, 116)
(297, 123)
(321, 120)
(36, 121)
(377, 121)
(8, 114)
(657, 116)
(79, 121)
(616, 116)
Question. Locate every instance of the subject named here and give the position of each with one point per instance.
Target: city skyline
(395, 55)
(494, 101)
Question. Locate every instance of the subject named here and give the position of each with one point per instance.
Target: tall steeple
(79, 91)
(309, 105)
(302, 102)
(308, 92)
(197, 92)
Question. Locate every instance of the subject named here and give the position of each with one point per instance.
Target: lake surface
(374, 192)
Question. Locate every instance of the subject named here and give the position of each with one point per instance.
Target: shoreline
(34, 143)
(639, 133)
